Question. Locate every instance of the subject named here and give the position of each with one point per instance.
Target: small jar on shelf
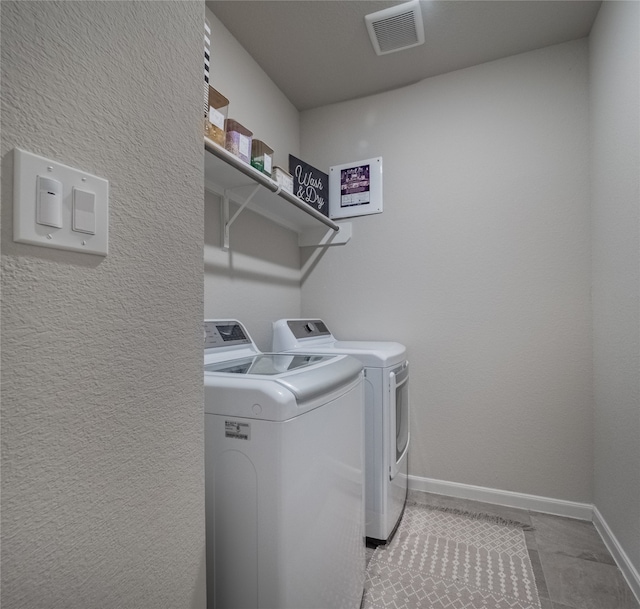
(214, 122)
(283, 178)
(261, 157)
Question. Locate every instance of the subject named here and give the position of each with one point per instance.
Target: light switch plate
(26, 169)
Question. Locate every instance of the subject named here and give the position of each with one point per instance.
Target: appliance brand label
(237, 430)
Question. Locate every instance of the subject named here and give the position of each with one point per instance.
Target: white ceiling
(318, 51)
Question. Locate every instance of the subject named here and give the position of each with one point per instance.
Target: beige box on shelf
(214, 123)
(238, 140)
(283, 178)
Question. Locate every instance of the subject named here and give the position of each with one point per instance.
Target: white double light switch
(57, 206)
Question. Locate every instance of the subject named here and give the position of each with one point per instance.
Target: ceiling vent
(396, 28)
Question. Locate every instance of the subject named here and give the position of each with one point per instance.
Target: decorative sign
(310, 184)
(355, 189)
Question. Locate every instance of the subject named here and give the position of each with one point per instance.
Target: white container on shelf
(283, 178)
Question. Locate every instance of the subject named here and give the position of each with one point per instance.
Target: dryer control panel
(304, 328)
(225, 334)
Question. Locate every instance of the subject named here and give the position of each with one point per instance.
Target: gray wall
(615, 160)
(479, 264)
(258, 279)
(254, 100)
(102, 420)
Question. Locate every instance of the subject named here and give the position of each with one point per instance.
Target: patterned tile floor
(572, 566)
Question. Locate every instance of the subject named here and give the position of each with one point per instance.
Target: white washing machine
(386, 383)
(284, 479)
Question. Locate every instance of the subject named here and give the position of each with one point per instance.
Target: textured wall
(102, 420)
(479, 264)
(615, 123)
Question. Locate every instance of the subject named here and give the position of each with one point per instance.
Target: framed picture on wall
(355, 189)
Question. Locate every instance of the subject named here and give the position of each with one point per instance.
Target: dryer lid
(372, 353)
(313, 336)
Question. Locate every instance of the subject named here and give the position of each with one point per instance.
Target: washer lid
(306, 376)
(322, 380)
(267, 364)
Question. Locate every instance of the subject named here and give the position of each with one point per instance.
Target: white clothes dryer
(386, 381)
(284, 478)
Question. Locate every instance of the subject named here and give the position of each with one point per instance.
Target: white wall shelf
(234, 180)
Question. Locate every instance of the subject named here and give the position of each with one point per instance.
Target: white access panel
(58, 206)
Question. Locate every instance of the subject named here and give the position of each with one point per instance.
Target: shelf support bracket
(225, 220)
(322, 237)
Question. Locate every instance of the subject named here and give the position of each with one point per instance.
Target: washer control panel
(225, 334)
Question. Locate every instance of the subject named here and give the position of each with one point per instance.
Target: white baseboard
(546, 505)
(619, 555)
(571, 509)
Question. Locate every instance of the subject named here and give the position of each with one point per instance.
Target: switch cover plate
(26, 229)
